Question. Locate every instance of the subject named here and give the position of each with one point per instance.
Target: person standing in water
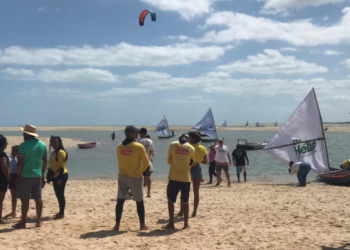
(200, 156)
(239, 155)
(4, 173)
(58, 164)
(223, 160)
(113, 136)
(180, 159)
(212, 163)
(130, 154)
(301, 169)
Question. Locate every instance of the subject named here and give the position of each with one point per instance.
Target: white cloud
(142, 75)
(241, 27)
(41, 9)
(273, 62)
(87, 75)
(282, 6)
(325, 18)
(122, 54)
(289, 49)
(187, 99)
(331, 53)
(347, 63)
(188, 9)
(217, 74)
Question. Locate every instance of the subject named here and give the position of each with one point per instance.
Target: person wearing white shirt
(223, 160)
(148, 144)
(301, 169)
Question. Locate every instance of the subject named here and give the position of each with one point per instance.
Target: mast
(324, 137)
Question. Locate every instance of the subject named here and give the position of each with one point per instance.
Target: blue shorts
(196, 173)
(238, 170)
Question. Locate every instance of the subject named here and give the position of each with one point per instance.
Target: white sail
(224, 125)
(207, 125)
(162, 128)
(301, 138)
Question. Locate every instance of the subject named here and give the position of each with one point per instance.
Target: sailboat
(302, 139)
(207, 126)
(276, 123)
(257, 124)
(224, 125)
(247, 124)
(163, 129)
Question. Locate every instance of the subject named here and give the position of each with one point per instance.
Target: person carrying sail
(301, 169)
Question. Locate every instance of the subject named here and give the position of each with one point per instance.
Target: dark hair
(60, 147)
(3, 141)
(195, 135)
(291, 163)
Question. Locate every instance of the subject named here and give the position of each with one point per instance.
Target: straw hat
(29, 129)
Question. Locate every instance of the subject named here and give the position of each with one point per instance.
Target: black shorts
(174, 187)
(3, 185)
(13, 178)
(147, 173)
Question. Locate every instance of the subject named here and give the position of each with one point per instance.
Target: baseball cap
(131, 128)
(143, 131)
(183, 135)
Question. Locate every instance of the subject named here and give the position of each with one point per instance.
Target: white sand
(244, 216)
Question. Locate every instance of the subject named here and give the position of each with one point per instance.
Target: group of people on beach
(23, 172)
(184, 157)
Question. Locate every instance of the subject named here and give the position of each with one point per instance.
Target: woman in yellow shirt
(58, 163)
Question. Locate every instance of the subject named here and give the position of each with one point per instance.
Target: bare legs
(196, 185)
(171, 209)
(24, 210)
(228, 178)
(2, 197)
(13, 201)
(148, 183)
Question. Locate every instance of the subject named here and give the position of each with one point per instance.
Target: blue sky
(88, 62)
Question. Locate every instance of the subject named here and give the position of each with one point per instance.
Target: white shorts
(244, 168)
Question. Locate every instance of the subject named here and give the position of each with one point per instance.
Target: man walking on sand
(180, 158)
(223, 160)
(130, 154)
(148, 144)
(31, 168)
(239, 155)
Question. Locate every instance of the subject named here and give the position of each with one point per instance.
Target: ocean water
(101, 162)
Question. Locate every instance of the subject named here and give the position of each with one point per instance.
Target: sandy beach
(332, 128)
(244, 216)
(17, 140)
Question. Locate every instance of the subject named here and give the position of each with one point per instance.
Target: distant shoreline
(340, 127)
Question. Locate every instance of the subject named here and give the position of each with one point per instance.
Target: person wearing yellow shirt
(180, 159)
(200, 156)
(58, 164)
(130, 155)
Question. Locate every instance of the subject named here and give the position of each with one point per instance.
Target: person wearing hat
(31, 168)
(148, 144)
(223, 160)
(130, 154)
(4, 173)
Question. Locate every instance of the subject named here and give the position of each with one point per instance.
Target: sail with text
(207, 125)
(301, 138)
(162, 128)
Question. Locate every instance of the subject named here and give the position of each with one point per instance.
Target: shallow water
(101, 162)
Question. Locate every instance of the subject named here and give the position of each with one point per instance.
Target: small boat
(206, 126)
(87, 145)
(250, 146)
(336, 177)
(163, 129)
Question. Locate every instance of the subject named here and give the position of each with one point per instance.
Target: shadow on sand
(158, 232)
(344, 247)
(101, 234)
